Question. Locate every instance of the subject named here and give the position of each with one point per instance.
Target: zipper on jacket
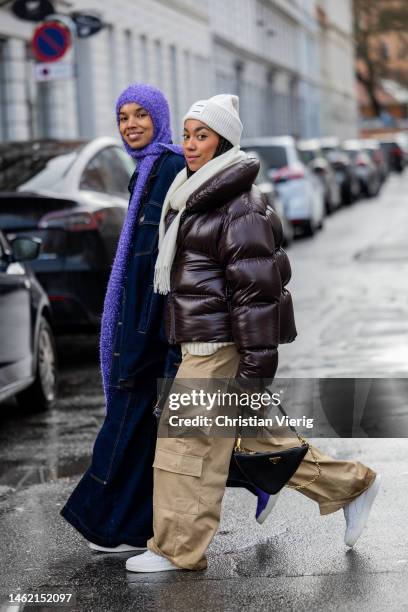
(229, 293)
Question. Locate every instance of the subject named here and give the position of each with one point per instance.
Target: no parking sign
(51, 41)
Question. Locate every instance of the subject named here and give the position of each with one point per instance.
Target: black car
(366, 169)
(393, 153)
(343, 168)
(373, 149)
(73, 195)
(28, 360)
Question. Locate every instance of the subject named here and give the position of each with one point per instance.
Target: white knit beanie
(220, 113)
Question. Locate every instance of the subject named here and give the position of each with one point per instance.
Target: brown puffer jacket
(229, 274)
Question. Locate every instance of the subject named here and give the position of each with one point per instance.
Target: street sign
(53, 71)
(30, 10)
(51, 41)
(86, 25)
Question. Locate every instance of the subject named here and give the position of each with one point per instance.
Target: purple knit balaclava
(156, 105)
(152, 100)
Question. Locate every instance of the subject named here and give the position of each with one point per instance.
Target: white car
(311, 155)
(299, 188)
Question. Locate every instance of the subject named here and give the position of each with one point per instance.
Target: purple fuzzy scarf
(155, 103)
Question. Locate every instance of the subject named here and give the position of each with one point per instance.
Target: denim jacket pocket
(147, 229)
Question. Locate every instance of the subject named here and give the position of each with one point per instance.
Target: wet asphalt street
(350, 291)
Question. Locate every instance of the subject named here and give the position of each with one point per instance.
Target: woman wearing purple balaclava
(112, 504)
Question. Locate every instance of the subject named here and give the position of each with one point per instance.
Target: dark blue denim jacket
(141, 343)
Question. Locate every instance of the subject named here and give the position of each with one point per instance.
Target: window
(35, 165)
(384, 50)
(306, 156)
(3, 101)
(2, 253)
(144, 59)
(273, 155)
(130, 60)
(108, 172)
(113, 63)
(174, 83)
(158, 62)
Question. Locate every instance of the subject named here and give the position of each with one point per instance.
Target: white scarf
(179, 192)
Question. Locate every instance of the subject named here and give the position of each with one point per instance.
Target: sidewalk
(295, 561)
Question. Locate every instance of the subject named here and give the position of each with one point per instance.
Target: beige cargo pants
(190, 476)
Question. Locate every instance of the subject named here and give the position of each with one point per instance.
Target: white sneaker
(356, 512)
(150, 562)
(115, 549)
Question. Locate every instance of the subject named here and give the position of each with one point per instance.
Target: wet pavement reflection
(44, 447)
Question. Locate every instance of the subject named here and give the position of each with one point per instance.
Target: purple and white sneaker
(265, 505)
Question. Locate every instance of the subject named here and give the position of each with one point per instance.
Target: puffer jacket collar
(224, 186)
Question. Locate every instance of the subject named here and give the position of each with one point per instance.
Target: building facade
(163, 42)
(290, 61)
(339, 108)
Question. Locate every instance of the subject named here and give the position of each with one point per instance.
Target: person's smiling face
(135, 125)
(199, 143)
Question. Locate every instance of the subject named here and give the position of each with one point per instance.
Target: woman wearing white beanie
(224, 272)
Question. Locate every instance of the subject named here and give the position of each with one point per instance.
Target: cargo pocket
(177, 481)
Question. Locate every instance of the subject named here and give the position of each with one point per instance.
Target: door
(15, 323)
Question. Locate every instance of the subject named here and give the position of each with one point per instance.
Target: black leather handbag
(269, 471)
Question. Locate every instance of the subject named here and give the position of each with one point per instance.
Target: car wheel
(42, 393)
(329, 207)
(373, 190)
(347, 196)
(309, 228)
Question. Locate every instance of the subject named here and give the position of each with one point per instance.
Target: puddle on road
(44, 447)
(19, 475)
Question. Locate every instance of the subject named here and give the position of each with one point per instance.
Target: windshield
(32, 166)
(306, 155)
(352, 153)
(329, 151)
(370, 152)
(387, 146)
(273, 156)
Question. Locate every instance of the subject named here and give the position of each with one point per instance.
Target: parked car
(373, 148)
(344, 170)
(267, 187)
(73, 196)
(28, 362)
(311, 154)
(366, 169)
(297, 185)
(395, 155)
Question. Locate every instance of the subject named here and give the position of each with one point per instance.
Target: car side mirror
(24, 248)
